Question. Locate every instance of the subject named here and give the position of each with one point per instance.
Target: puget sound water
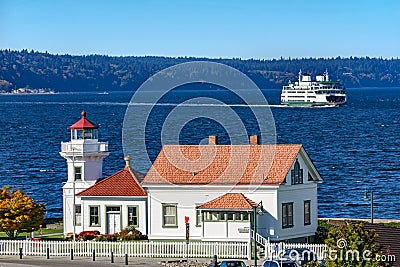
(355, 147)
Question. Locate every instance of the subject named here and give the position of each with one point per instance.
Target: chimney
(127, 162)
(213, 140)
(254, 140)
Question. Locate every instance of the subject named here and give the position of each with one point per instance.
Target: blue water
(354, 147)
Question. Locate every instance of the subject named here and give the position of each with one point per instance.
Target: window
(113, 209)
(78, 173)
(310, 178)
(198, 216)
(94, 216)
(297, 174)
(223, 216)
(213, 216)
(287, 215)
(78, 214)
(169, 214)
(307, 212)
(133, 216)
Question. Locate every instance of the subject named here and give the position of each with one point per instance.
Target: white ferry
(321, 92)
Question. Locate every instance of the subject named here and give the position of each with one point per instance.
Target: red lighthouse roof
(83, 123)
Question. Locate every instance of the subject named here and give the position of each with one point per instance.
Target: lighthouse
(84, 154)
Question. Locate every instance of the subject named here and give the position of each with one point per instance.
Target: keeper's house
(219, 187)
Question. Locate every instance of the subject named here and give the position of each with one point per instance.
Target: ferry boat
(321, 92)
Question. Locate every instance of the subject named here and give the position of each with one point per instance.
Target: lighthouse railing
(69, 147)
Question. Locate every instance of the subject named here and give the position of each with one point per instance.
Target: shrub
(88, 235)
(128, 234)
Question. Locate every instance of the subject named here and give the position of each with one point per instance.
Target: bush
(107, 237)
(128, 234)
(88, 235)
(322, 231)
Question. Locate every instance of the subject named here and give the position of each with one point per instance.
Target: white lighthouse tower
(84, 154)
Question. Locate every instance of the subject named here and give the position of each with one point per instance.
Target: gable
(122, 183)
(311, 169)
(307, 167)
(229, 201)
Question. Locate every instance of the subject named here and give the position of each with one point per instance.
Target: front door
(113, 220)
(114, 223)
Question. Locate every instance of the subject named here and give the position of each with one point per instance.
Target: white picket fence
(155, 249)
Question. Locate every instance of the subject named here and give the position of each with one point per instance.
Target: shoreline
(376, 220)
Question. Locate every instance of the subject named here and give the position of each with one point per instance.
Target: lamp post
(366, 198)
(73, 192)
(257, 209)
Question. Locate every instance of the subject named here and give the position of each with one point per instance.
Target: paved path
(30, 261)
(45, 235)
(35, 261)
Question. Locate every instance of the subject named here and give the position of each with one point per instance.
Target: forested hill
(66, 73)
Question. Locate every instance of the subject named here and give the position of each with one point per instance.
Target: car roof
(301, 249)
(281, 260)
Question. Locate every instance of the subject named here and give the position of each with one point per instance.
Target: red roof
(230, 201)
(83, 123)
(222, 164)
(122, 183)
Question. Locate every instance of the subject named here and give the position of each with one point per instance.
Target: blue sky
(262, 29)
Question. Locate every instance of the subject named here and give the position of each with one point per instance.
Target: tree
(5, 85)
(18, 212)
(350, 245)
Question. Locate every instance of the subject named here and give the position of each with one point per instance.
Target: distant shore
(376, 221)
(28, 91)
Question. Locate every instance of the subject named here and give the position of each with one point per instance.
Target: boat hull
(312, 104)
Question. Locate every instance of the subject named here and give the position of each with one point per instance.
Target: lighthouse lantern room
(84, 154)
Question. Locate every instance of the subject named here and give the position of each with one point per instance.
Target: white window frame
(78, 216)
(98, 216)
(136, 216)
(166, 216)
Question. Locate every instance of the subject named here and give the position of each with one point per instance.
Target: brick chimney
(213, 140)
(254, 140)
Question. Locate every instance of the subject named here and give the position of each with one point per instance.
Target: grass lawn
(53, 234)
